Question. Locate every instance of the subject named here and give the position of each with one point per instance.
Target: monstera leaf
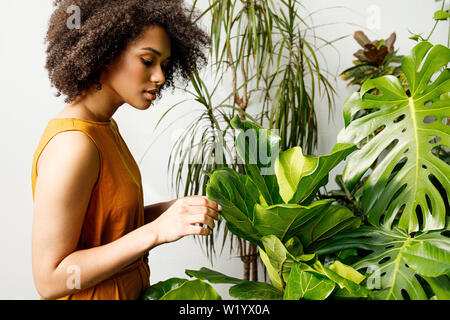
(399, 265)
(405, 182)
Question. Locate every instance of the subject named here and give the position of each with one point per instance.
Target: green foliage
(375, 59)
(318, 250)
(399, 265)
(242, 289)
(403, 181)
(304, 277)
(252, 204)
(180, 289)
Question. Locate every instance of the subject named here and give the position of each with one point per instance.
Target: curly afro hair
(77, 56)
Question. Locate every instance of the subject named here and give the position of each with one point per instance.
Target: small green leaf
(325, 164)
(353, 288)
(441, 15)
(415, 37)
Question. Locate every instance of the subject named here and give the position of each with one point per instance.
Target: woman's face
(139, 69)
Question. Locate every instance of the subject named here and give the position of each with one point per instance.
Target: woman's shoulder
(73, 150)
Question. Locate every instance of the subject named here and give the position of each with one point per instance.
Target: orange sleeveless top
(116, 206)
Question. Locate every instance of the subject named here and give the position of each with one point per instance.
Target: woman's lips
(149, 95)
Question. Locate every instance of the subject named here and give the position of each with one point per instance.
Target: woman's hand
(186, 216)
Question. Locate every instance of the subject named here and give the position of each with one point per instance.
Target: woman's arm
(67, 171)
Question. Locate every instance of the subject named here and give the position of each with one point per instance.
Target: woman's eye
(147, 62)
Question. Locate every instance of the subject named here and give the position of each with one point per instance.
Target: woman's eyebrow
(153, 50)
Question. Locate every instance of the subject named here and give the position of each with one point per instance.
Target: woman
(91, 231)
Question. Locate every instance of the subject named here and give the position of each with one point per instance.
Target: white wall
(27, 103)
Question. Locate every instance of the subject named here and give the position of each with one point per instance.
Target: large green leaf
(290, 167)
(285, 220)
(413, 126)
(322, 166)
(192, 290)
(307, 284)
(333, 220)
(259, 148)
(236, 194)
(159, 289)
(386, 265)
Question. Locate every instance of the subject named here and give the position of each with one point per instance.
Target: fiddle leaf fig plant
(406, 180)
(268, 199)
(293, 277)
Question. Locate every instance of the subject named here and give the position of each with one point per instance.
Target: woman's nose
(157, 75)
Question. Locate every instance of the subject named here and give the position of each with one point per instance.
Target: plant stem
(435, 24)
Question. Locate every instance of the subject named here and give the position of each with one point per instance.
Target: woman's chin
(141, 105)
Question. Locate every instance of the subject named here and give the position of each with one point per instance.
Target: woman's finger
(204, 210)
(202, 219)
(198, 230)
(203, 201)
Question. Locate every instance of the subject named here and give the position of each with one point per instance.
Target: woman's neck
(97, 105)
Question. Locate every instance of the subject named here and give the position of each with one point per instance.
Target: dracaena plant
(265, 50)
